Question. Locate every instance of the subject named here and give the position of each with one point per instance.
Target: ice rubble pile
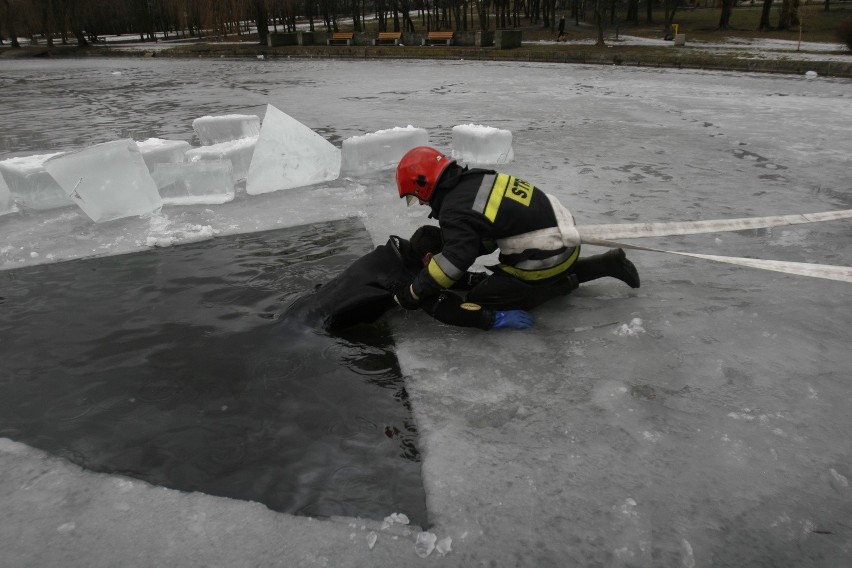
(126, 178)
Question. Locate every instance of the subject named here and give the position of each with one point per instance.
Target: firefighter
(366, 289)
(480, 211)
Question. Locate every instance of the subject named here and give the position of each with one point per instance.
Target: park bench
(341, 36)
(434, 37)
(383, 37)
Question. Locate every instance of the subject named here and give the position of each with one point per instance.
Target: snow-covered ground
(743, 48)
(701, 420)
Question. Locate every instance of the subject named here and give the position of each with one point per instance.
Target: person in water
(365, 290)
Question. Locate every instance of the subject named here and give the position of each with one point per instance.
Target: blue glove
(513, 319)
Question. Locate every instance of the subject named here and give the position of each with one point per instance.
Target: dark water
(174, 366)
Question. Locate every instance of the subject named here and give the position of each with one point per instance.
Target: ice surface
(31, 186)
(217, 129)
(6, 204)
(238, 152)
(162, 151)
(379, 150)
(107, 181)
(192, 183)
(478, 144)
(289, 154)
(714, 396)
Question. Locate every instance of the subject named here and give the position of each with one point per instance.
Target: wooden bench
(394, 37)
(340, 36)
(434, 37)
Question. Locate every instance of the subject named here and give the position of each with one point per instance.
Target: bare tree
(10, 16)
(764, 16)
(261, 18)
(632, 15)
(789, 16)
(725, 16)
(670, 7)
(599, 15)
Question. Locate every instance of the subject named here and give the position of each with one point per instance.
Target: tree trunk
(632, 12)
(670, 5)
(47, 18)
(725, 17)
(764, 16)
(356, 15)
(262, 20)
(74, 23)
(599, 23)
(10, 25)
(785, 18)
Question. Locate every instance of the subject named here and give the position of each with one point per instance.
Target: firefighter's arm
(462, 245)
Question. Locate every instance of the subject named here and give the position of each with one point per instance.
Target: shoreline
(666, 57)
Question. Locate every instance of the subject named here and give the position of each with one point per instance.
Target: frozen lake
(700, 420)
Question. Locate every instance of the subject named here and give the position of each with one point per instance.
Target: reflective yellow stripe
(439, 275)
(521, 191)
(498, 190)
(541, 274)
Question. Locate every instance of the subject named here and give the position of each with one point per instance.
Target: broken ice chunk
(192, 183)
(5, 197)
(30, 184)
(107, 181)
(160, 151)
(444, 546)
(477, 144)
(289, 154)
(239, 152)
(379, 150)
(425, 544)
(224, 128)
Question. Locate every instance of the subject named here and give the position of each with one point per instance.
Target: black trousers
(501, 291)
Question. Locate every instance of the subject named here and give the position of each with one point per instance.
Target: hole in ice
(165, 366)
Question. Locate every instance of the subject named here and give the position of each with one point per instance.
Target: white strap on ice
(638, 230)
(599, 235)
(570, 236)
(826, 271)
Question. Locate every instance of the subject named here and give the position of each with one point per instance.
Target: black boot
(612, 263)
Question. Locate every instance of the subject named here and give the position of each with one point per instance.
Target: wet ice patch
(838, 481)
(630, 329)
(651, 436)
(789, 238)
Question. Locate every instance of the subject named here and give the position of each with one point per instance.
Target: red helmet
(419, 171)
